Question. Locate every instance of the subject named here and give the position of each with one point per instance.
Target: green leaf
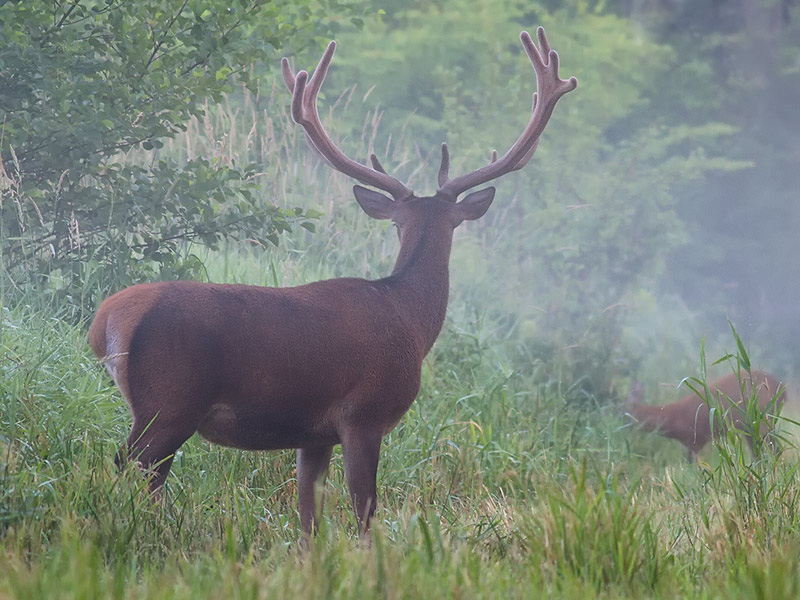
(223, 73)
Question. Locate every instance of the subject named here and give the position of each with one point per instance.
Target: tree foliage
(89, 92)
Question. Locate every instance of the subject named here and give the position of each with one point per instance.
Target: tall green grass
(493, 485)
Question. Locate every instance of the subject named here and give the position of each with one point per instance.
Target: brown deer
(688, 419)
(307, 367)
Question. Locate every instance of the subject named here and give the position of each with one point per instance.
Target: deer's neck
(421, 281)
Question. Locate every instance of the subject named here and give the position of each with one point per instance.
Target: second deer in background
(688, 420)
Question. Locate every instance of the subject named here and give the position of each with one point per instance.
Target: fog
(661, 205)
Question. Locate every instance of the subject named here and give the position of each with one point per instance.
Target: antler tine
(376, 164)
(542, 40)
(315, 83)
(444, 167)
(288, 76)
(304, 112)
(298, 109)
(550, 88)
(289, 79)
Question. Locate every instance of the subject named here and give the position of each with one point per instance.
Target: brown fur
(308, 367)
(688, 419)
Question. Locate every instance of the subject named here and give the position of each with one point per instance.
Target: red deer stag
(308, 367)
(688, 419)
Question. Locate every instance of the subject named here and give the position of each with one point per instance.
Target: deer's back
(281, 357)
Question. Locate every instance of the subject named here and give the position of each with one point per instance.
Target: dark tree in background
(741, 255)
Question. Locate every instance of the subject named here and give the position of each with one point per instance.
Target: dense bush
(89, 92)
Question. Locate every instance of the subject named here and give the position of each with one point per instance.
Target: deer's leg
(153, 442)
(360, 451)
(312, 465)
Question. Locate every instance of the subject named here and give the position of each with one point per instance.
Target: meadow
(500, 482)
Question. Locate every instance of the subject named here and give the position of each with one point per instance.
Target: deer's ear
(475, 205)
(375, 204)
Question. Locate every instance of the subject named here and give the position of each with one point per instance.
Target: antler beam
(304, 112)
(550, 87)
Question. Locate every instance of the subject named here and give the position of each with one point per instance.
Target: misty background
(661, 203)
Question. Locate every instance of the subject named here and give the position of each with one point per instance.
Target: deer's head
(443, 208)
